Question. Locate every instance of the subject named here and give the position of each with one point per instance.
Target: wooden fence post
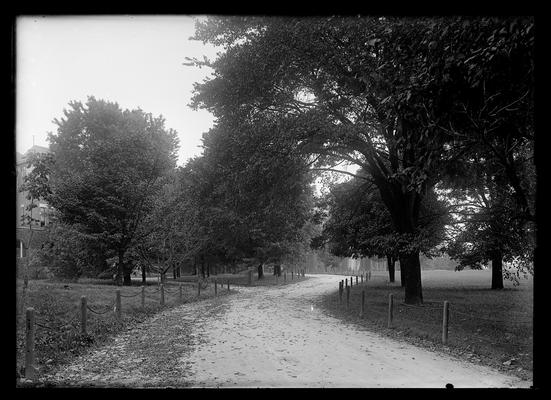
(362, 278)
(182, 292)
(83, 315)
(292, 274)
(340, 292)
(143, 297)
(445, 321)
(118, 307)
(347, 297)
(198, 288)
(228, 285)
(356, 279)
(346, 282)
(390, 309)
(30, 369)
(162, 294)
(363, 304)
(215, 288)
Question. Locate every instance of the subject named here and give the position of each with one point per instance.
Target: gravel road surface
(267, 337)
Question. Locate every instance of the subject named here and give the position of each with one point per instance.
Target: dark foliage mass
(435, 113)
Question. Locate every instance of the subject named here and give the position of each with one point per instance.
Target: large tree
(335, 89)
(374, 92)
(359, 225)
(492, 227)
(109, 164)
(252, 202)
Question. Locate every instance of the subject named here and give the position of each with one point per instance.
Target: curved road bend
(268, 337)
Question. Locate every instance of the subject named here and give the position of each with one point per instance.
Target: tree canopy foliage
(395, 96)
(109, 163)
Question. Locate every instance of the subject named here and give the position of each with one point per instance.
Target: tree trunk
(203, 266)
(260, 271)
(143, 274)
(120, 269)
(391, 263)
(411, 267)
(497, 270)
(402, 276)
(403, 206)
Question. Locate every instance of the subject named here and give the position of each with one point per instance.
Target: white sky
(135, 61)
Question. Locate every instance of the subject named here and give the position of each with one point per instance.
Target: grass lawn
(487, 326)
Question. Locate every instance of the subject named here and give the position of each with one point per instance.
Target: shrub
(67, 254)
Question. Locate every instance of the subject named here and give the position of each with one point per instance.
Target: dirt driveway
(267, 337)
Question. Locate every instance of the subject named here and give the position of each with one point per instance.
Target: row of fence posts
(343, 286)
(30, 368)
(300, 273)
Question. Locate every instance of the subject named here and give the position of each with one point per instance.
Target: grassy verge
(242, 279)
(485, 326)
(57, 314)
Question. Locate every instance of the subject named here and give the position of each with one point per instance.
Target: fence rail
(31, 371)
(392, 318)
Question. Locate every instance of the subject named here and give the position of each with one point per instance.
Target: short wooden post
(445, 321)
(162, 295)
(292, 274)
(198, 288)
(83, 315)
(215, 288)
(390, 309)
(228, 285)
(351, 281)
(30, 369)
(356, 279)
(181, 288)
(346, 282)
(362, 278)
(143, 297)
(348, 297)
(118, 307)
(340, 292)
(363, 304)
